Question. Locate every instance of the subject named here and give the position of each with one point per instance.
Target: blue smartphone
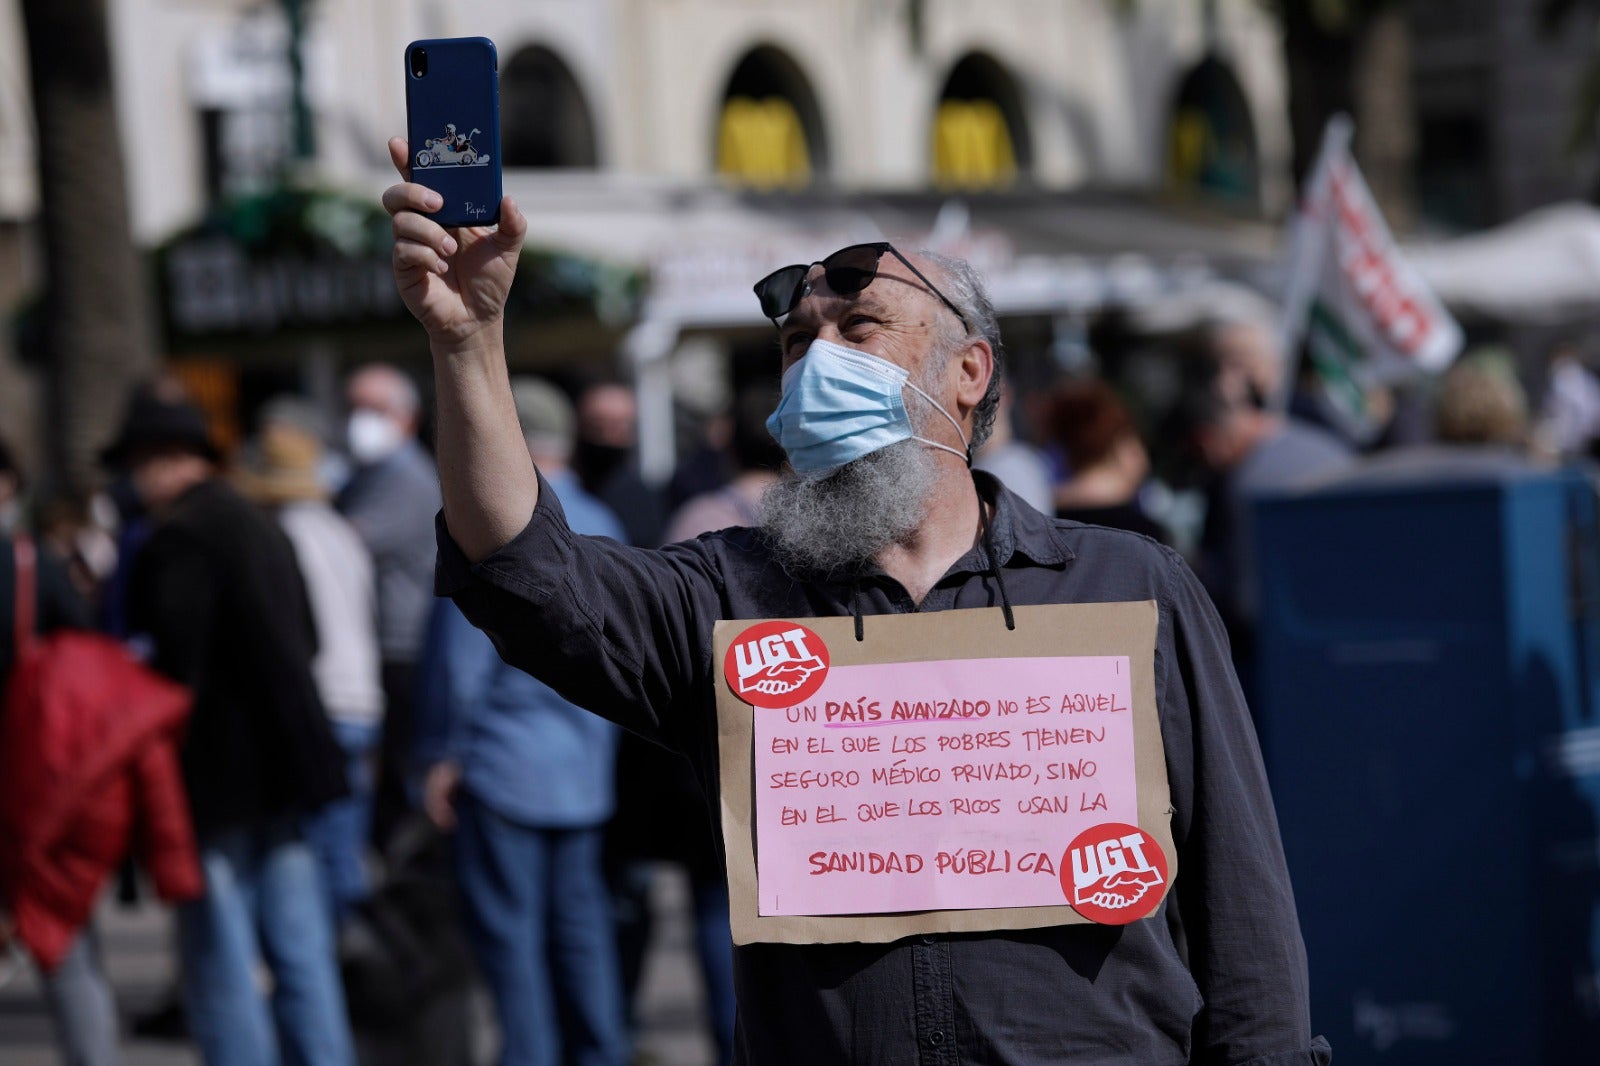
(453, 125)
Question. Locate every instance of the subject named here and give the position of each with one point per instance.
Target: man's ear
(973, 368)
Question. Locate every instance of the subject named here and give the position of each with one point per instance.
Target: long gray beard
(835, 524)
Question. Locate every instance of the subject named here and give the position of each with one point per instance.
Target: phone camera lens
(419, 63)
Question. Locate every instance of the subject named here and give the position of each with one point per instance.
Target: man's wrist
(485, 343)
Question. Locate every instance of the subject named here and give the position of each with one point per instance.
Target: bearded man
(890, 378)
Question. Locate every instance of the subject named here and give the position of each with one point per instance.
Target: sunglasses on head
(848, 271)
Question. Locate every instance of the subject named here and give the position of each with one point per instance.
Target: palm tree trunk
(96, 314)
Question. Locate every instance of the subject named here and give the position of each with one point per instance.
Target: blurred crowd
(359, 813)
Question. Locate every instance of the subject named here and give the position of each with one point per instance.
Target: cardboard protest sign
(945, 774)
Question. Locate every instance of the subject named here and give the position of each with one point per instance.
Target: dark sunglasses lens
(779, 290)
(852, 269)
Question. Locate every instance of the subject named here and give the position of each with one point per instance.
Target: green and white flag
(1364, 315)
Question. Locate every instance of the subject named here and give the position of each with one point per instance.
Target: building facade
(672, 136)
(847, 94)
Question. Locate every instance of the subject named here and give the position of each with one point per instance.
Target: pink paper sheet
(948, 785)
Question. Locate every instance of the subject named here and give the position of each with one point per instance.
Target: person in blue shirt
(524, 780)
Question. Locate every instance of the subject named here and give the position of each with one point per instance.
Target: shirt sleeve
(457, 667)
(1234, 897)
(623, 632)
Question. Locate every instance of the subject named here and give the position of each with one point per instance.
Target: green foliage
(268, 263)
(553, 284)
(1583, 128)
(299, 220)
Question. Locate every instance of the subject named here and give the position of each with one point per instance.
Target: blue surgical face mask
(839, 404)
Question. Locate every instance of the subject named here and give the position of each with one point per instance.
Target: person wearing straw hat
(283, 475)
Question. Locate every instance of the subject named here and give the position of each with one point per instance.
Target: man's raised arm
(455, 282)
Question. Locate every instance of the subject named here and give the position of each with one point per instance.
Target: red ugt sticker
(776, 664)
(1112, 873)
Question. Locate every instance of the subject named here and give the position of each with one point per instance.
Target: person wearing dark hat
(217, 600)
(282, 475)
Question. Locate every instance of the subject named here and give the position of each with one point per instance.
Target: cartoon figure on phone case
(453, 147)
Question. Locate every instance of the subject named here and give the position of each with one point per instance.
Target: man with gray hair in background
(391, 498)
(890, 366)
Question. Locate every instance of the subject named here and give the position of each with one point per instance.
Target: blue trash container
(1428, 714)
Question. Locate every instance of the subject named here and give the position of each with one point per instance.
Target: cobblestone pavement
(138, 956)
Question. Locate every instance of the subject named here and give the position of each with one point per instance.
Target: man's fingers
(410, 226)
(410, 254)
(400, 156)
(411, 197)
(513, 224)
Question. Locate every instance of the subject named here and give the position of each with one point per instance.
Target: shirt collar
(1015, 528)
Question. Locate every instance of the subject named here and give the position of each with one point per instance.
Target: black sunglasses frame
(804, 269)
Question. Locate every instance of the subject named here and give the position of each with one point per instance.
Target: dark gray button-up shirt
(1217, 975)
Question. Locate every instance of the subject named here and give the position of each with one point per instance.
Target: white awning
(1543, 268)
(703, 247)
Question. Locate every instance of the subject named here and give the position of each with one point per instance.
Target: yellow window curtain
(972, 146)
(1189, 148)
(761, 143)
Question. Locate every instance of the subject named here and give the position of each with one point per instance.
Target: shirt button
(930, 940)
(936, 1037)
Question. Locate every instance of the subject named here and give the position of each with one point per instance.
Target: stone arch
(979, 136)
(545, 120)
(769, 130)
(1211, 138)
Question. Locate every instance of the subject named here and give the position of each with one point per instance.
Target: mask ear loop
(964, 456)
(994, 563)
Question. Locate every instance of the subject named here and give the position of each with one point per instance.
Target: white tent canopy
(1542, 269)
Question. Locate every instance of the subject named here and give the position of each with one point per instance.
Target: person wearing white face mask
(391, 499)
(904, 352)
(10, 494)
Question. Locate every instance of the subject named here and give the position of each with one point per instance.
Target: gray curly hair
(961, 284)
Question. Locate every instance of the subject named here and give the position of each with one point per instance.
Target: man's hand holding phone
(455, 281)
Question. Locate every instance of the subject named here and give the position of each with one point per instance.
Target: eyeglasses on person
(848, 271)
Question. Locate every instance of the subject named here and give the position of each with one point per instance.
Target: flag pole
(1309, 234)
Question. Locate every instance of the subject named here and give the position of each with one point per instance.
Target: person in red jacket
(88, 756)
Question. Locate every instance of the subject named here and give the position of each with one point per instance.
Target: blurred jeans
(632, 885)
(339, 832)
(539, 918)
(82, 1006)
(264, 902)
(713, 942)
